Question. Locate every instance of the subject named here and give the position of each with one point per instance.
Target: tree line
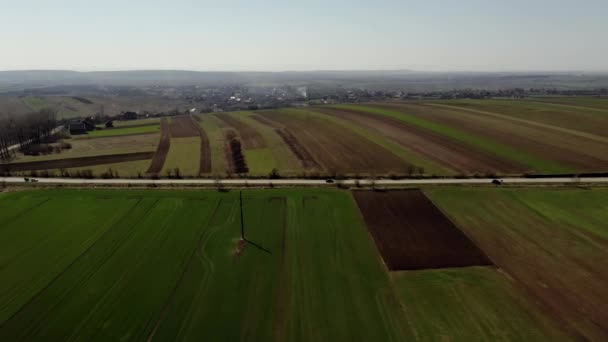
(25, 130)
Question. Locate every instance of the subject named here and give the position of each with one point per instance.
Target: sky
(263, 35)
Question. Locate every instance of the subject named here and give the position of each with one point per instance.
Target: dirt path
(158, 161)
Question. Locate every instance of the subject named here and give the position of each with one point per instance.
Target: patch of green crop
(169, 265)
(466, 304)
(124, 131)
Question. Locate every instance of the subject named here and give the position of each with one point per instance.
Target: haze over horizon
(305, 36)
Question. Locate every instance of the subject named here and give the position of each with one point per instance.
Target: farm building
(129, 116)
(78, 128)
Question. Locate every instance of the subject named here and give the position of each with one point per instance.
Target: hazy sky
(304, 35)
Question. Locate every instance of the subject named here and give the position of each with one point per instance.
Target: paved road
(308, 182)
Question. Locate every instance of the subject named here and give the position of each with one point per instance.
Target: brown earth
(445, 151)
(184, 126)
(163, 148)
(76, 162)
(250, 136)
(580, 153)
(338, 149)
(412, 234)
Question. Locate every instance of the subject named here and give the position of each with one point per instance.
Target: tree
(274, 174)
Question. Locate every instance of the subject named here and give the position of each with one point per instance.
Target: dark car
(330, 181)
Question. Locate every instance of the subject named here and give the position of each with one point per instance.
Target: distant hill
(373, 80)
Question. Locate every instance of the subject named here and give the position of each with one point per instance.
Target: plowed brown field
(250, 137)
(184, 126)
(336, 148)
(411, 233)
(447, 152)
(581, 153)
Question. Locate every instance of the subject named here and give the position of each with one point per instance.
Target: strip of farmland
(577, 120)
(163, 148)
(553, 242)
(471, 304)
(578, 153)
(183, 126)
(489, 146)
(336, 148)
(76, 162)
(250, 137)
(411, 233)
(205, 158)
(447, 152)
(304, 156)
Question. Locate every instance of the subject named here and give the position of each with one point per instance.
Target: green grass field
(124, 131)
(185, 154)
(470, 304)
(142, 265)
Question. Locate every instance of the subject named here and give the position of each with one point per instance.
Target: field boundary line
(524, 121)
(72, 263)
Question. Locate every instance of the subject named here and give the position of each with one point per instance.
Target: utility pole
(242, 222)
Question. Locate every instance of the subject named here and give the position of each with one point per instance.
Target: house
(77, 128)
(129, 116)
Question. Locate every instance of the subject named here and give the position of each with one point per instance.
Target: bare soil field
(303, 155)
(577, 152)
(336, 148)
(76, 162)
(183, 126)
(451, 154)
(412, 234)
(250, 137)
(163, 148)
